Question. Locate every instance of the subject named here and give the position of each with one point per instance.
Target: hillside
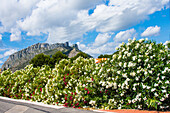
(21, 58)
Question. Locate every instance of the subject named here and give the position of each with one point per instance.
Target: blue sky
(97, 26)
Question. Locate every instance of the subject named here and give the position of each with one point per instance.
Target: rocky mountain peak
(21, 58)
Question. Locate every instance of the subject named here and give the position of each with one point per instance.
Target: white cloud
(102, 39)
(120, 14)
(102, 46)
(107, 48)
(1, 44)
(99, 47)
(54, 17)
(16, 35)
(151, 31)
(2, 49)
(13, 10)
(1, 62)
(67, 20)
(0, 37)
(1, 56)
(125, 35)
(11, 51)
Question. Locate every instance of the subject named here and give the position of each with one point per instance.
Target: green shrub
(40, 60)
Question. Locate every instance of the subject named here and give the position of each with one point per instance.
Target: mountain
(22, 58)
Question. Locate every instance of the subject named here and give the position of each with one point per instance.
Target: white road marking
(17, 109)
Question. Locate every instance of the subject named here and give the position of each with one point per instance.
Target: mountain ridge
(20, 59)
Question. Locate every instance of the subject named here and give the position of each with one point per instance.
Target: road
(14, 106)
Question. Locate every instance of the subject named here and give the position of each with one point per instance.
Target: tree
(105, 56)
(56, 58)
(84, 55)
(40, 60)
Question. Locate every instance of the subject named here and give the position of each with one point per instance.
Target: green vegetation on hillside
(56, 58)
(41, 59)
(80, 54)
(105, 56)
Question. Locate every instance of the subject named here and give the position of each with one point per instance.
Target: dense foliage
(40, 60)
(136, 77)
(105, 56)
(80, 54)
(56, 58)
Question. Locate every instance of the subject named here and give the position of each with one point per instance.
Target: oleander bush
(136, 77)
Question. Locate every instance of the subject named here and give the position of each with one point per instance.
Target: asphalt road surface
(10, 106)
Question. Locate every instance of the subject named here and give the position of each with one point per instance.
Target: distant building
(98, 60)
(0, 70)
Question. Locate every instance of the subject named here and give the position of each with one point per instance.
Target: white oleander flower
(120, 45)
(118, 72)
(133, 74)
(128, 54)
(114, 56)
(150, 47)
(123, 49)
(92, 102)
(138, 71)
(145, 72)
(167, 82)
(139, 60)
(156, 94)
(125, 64)
(166, 95)
(137, 78)
(124, 75)
(147, 60)
(164, 91)
(116, 48)
(134, 39)
(120, 64)
(162, 99)
(130, 64)
(134, 58)
(141, 40)
(147, 45)
(119, 57)
(139, 106)
(144, 98)
(148, 87)
(150, 71)
(129, 40)
(125, 52)
(137, 46)
(155, 85)
(153, 89)
(133, 101)
(163, 77)
(149, 66)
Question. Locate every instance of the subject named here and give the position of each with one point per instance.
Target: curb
(103, 111)
(44, 105)
(33, 103)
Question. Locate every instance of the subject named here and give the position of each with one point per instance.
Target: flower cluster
(137, 77)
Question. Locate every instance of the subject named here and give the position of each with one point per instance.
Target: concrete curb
(30, 102)
(42, 104)
(103, 111)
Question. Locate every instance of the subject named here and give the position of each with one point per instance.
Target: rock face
(21, 58)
